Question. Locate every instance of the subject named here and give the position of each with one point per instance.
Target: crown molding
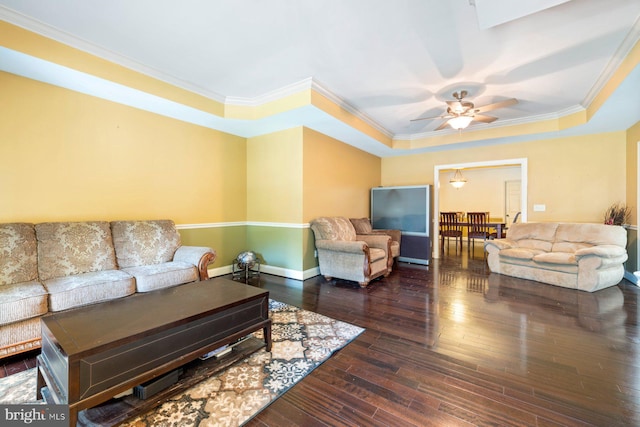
(307, 84)
(63, 37)
(632, 38)
(331, 96)
(45, 30)
(274, 95)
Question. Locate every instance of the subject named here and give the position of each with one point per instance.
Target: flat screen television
(405, 208)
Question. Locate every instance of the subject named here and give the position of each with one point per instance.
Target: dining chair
(450, 228)
(515, 221)
(477, 228)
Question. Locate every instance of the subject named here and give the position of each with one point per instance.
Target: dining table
(499, 226)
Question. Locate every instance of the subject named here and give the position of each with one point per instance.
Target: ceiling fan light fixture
(460, 122)
(457, 180)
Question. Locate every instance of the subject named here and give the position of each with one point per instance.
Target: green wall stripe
(287, 246)
(228, 242)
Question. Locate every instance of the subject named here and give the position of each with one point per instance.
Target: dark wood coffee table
(93, 353)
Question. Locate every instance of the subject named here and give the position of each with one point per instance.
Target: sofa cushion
(556, 258)
(533, 235)
(361, 225)
(569, 247)
(541, 245)
(70, 248)
(333, 228)
(376, 254)
(533, 230)
(158, 276)
(18, 253)
(592, 234)
(520, 253)
(144, 242)
(561, 269)
(88, 288)
(21, 301)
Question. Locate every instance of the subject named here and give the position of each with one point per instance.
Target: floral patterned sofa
(56, 266)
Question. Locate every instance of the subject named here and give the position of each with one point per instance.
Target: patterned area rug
(302, 340)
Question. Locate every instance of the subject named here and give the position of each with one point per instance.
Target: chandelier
(457, 180)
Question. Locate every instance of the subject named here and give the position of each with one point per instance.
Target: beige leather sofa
(346, 255)
(57, 266)
(587, 257)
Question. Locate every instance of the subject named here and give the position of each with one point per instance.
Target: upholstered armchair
(363, 226)
(346, 255)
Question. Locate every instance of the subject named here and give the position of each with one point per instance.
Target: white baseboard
(220, 271)
(312, 272)
(270, 269)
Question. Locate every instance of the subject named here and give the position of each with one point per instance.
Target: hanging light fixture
(460, 122)
(457, 180)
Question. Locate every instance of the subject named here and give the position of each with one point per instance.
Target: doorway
(522, 163)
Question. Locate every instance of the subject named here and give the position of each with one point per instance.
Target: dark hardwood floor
(454, 345)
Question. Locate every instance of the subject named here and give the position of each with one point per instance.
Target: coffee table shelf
(116, 411)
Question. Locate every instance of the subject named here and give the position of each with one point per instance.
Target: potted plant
(617, 214)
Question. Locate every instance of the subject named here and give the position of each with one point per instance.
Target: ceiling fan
(461, 113)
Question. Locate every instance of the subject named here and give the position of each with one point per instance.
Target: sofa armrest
(382, 241)
(602, 251)
(496, 245)
(356, 247)
(396, 235)
(199, 256)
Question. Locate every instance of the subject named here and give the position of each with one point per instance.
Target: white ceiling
(388, 61)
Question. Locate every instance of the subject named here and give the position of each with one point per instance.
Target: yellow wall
(299, 174)
(68, 156)
(294, 176)
(577, 178)
(274, 177)
(337, 177)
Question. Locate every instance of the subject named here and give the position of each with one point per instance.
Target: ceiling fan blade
(442, 126)
(496, 105)
(484, 119)
(430, 118)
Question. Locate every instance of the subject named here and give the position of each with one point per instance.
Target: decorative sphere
(246, 259)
